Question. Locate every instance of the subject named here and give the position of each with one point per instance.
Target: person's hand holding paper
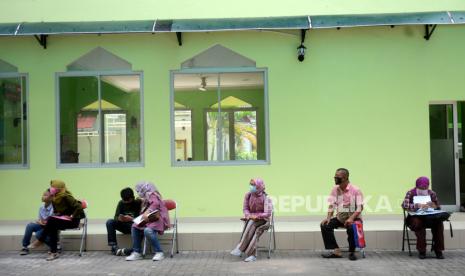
(423, 202)
(147, 217)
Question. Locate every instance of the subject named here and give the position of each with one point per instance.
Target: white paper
(137, 220)
(421, 199)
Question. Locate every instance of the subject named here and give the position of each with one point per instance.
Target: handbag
(359, 235)
(432, 219)
(343, 216)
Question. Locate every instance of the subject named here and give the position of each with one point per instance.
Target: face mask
(253, 189)
(422, 192)
(338, 180)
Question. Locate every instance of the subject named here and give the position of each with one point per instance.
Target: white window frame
(221, 70)
(98, 75)
(25, 151)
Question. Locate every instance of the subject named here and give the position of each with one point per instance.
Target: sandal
(330, 255)
(52, 256)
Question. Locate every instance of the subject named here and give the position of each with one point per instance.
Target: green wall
(359, 100)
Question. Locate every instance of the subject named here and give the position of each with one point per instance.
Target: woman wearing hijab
(257, 209)
(152, 225)
(67, 215)
(418, 223)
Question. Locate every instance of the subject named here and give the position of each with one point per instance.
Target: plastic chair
(271, 237)
(412, 241)
(173, 228)
(172, 205)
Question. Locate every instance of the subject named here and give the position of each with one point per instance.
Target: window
(13, 117)
(219, 114)
(99, 115)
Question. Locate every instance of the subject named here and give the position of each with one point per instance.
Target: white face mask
(422, 192)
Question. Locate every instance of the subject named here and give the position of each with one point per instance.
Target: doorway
(446, 154)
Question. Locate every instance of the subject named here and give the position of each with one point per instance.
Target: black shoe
(114, 249)
(24, 251)
(422, 255)
(330, 256)
(352, 256)
(439, 255)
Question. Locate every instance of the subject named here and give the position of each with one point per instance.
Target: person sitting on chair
(257, 209)
(150, 226)
(418, 224)
(67, 215)
(45, 211)
(127, 209)
(347, 200)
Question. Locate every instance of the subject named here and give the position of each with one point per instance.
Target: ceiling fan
(203, 84)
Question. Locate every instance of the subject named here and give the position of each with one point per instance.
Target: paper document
(63, 217)
(421, 199)
(139, 219)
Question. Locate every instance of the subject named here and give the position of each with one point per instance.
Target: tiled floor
(295, 262)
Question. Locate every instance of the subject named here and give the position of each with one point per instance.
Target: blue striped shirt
(45, 212)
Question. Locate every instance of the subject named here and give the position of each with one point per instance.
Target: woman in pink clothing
(257, 212)
(154, 226)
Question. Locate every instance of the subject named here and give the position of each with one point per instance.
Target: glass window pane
(442, 152)
(213, 124)
(183, 134)
(120, 108)
(212, 139)
(232, 128)
(79, 120)
(225, 136)
(243, 99)
(195, 120)
(245, 142)
(12, 121)
(24, 121)
(114, 129)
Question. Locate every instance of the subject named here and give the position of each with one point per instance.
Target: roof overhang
(231, 24)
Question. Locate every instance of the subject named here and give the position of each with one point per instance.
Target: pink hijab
(145, 188)
(256, 201)
(260, 185)
(147, 191)
(422, 182)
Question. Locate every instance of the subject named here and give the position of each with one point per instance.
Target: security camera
(301, 52)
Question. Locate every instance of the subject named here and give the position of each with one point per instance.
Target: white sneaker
(236, 252)
(134, 257)
(250, 259)
(158, 256)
